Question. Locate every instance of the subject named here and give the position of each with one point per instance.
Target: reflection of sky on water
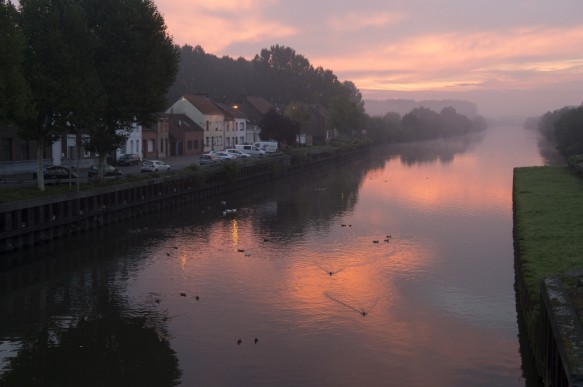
(437, 294)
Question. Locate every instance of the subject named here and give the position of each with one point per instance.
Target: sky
(511, 57)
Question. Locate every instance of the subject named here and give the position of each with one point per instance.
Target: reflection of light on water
(363, 277)
(183, 261)
(235, 233)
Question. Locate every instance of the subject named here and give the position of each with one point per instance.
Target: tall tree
(300, 113)
(137, 63)
(13, 87)
(58, 66)
(344, 115)
(569, 132)
(284, 74)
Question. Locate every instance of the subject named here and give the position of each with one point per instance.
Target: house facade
(186, 136)
(206, 114)
(133, 143)
(235, 124)
(156, 139)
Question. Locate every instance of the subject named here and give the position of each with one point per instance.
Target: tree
(274, 126)
(137, 63)
(300, 113)
(58, 66)
(13, 87)
(284, 74)
(344, 115)
(569, 132)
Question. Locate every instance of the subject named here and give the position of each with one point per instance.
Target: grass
(549, 219)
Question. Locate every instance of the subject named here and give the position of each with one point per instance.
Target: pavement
(24, 178)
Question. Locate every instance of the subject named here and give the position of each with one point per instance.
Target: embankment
(548, 240)
(26, 223)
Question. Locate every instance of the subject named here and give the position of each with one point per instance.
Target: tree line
(289, 81)
(563, 128)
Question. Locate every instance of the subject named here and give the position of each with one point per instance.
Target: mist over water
(394, 268)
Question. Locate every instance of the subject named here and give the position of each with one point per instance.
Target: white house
(207, 115)
(133, 143)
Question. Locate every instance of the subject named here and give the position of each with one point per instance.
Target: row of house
(192, 125)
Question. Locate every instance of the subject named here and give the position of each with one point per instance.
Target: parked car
(109, 171)
(208, 158)
(250, 149)
(267, 146)
(57, 173)
(223, 155)
(129, 159)
(238, 153)
(154, 166)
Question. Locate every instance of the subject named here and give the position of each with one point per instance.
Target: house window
(207, 126)
(207, 141)
(189, 144)
(195, 144)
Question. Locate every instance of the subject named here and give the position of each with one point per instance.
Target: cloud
(398, 46)
(362, 20)
(515, 56)
(217, 25)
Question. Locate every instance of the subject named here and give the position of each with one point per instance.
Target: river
(391, 269)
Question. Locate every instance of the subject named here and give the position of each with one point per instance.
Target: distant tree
(354, 95)
(274, 126)
(392, 123)
(569, 132)
(547, 123)
(454, 123)
(422, 123)
(284, 74)
(343, 114)
(300, 113)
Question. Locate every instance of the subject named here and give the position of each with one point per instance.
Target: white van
(267, 146)
(250, 149)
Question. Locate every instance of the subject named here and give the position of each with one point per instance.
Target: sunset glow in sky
(526, 53)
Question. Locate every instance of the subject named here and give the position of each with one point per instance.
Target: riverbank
(63, 212)
(548, 218)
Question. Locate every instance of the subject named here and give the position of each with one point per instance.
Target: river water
(391, 269)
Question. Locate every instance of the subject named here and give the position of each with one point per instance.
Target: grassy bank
(549, 222)
(548, 218)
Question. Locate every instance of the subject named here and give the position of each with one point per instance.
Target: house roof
(182, 122)
(259, 103)
(254, 108)
(231, 111)
(204, 104)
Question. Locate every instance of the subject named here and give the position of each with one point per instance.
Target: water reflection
(397, 266)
